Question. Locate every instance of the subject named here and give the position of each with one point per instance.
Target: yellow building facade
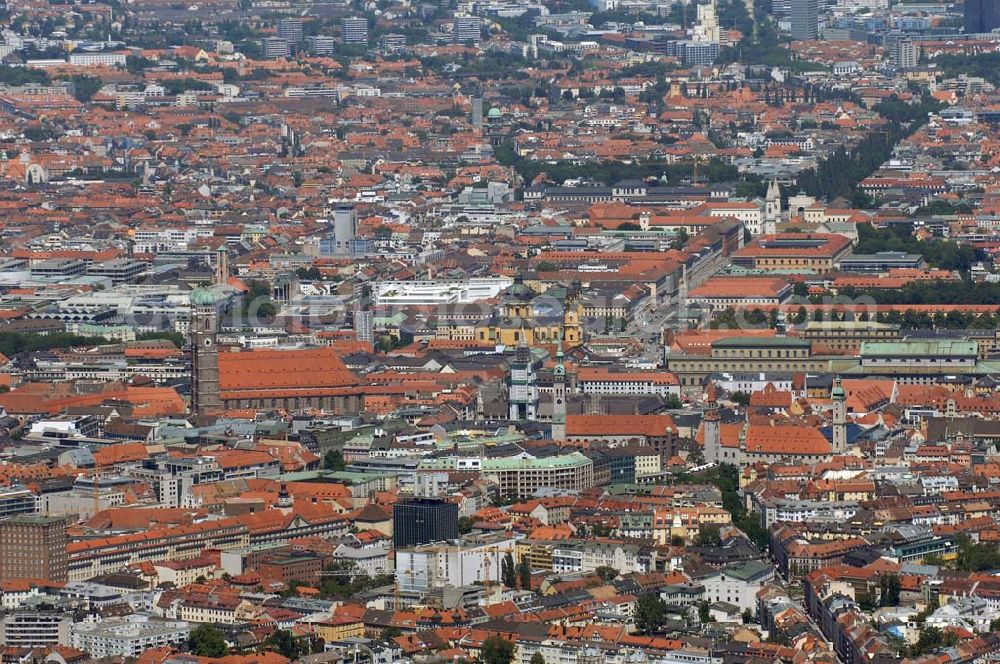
(516, 322)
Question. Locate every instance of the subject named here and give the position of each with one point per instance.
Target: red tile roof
(289, 371)
(619, 425)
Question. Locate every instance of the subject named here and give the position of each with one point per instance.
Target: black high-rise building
(981, 15)
(424, 520)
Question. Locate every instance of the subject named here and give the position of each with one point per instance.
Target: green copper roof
(923, 347)
(202, 297)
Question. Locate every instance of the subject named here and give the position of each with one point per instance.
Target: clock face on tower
(208, 342)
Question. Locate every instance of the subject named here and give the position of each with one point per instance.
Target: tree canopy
(650, 614)
(207, 641)
(22, 75)
(983, 65)
(497, 650)
(944, 254)
(610, 172)
(840, 172)
(285, 644)
(12, 343)
(334, 460)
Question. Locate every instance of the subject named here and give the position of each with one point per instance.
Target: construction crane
(97, 489)
(407, 572)
(486, 573)
(488, 553)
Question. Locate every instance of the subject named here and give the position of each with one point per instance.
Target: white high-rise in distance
(707, 27)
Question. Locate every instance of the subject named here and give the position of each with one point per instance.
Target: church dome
(519, 291)
(202, 297)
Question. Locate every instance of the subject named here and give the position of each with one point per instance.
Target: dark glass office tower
(982, 15)
(424, 520)
(805, 19)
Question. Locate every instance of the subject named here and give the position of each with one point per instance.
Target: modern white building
(64, 427)
(372, 560)
(354, 30)
(461, 563)
(738, 585)
(601, 381)
(154, 240)
(431, 293)
(468, 29)
(578, 556)
(129, 636)
(98, 59)
(799, 511)
(35, 629)
(972, 613)
(750, 382)
(524, 474)
(706, 28)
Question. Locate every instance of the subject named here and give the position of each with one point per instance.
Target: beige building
(224, 609)
(846, 337)
(647, 464)
(749, 354)
(338, 628)
(686, 522)
(184, 572)
(794, 252)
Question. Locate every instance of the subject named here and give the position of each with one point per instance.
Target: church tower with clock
(206, 397)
